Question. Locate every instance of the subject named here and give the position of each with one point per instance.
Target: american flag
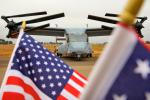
(123, 70)
(37, 74)
(133, 79)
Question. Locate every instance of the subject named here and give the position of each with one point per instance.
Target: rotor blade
(102, 19)
(117, 15)
(38, 27)
(142, 18)
(5, 19)
(29, 29)
(28, 14)
(43, 19)
(111, 15)
(106, 27)
(48, 32)
(98, 32)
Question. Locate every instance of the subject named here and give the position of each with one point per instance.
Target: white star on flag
(122, 97)
(142, 68)
(20, 51)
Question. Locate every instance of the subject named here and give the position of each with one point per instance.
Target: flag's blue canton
(46, 70)
(131, 84)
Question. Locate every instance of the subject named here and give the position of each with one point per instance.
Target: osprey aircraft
(77, 44)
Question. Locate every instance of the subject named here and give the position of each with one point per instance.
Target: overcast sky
(76, 12)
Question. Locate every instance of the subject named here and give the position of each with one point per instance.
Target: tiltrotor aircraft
(77, 43)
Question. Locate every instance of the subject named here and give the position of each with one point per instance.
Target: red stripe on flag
(72, 90)
(123, 25)
(12, 96)
(61, 98)
(79, 82)
(27, 88)
(80, 75)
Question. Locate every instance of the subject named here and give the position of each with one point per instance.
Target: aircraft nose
(78, 47)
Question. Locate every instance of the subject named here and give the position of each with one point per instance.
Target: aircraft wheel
(87, 55)
(90, 55)
(58, 54)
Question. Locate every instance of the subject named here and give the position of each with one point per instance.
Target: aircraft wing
(98, 32)
(47, 31)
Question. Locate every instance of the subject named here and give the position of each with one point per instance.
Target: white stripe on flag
(80, 78)
(16, 89)
(73, 86)
(68, 95)
(76, 85)
(29, 82)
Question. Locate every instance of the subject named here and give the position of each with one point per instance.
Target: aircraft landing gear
(59, 55)
(89, 55)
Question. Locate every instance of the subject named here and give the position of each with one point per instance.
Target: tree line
(2, 41)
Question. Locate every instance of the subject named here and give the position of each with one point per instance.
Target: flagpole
(106, 66)
(13, 53)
